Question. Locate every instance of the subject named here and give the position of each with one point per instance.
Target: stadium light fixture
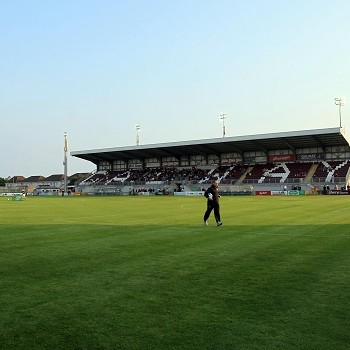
(339, 101)
(137, 127)
(223, 116)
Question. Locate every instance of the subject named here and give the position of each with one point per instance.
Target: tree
(2, 181)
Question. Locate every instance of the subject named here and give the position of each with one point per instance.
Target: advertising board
(263, 193)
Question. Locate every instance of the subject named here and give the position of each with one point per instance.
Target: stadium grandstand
(309, 161)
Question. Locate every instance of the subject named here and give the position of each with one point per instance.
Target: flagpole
(65, 162)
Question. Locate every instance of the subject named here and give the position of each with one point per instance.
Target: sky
(96, 68)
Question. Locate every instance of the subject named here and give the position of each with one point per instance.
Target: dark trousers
(216, 208)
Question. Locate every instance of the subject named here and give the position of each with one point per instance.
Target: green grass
(145, 273)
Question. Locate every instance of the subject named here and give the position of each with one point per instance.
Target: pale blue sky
(95, 68)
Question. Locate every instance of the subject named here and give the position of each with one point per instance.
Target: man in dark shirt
(213, 196)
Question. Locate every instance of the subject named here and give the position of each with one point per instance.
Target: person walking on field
(213, 197)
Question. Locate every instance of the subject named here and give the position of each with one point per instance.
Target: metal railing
(274, 181)
(337, 180)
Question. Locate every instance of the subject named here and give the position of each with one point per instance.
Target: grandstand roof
(265, 142)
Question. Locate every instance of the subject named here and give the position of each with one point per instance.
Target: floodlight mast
(223, 116)
(339, 101)
(137, 127)
(65, 165)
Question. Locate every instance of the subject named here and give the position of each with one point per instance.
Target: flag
(65, 143)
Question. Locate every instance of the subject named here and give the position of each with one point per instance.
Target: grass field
(145, 273)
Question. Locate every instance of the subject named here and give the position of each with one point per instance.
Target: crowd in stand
(231, 173)
(149, 175)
